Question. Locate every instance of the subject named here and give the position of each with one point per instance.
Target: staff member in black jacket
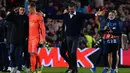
(18, 35)
(4, 61)
(74, 22)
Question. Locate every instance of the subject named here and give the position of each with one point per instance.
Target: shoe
(112, 71)
(27, 70)
(74, 71)
(93, 70)
(9, 69)
(39, 71)
(13, 70)
(18, 71)
(34, 72)
(105, 70)
(1, 68)
(116, 70)
(41, 68)
(68, 71)
(5, 69)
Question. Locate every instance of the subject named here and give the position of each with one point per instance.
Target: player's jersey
(36, 27)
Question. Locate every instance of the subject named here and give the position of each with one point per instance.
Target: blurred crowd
(90, 33)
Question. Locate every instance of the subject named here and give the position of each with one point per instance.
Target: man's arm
(42, 29)
(55, 16)
(89, 16)
(102, 26)
(26, 27)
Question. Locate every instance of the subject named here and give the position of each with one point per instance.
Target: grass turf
(81, 70)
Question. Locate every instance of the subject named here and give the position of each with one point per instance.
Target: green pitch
(81, 70)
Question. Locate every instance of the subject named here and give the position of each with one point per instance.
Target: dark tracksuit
(4, 61)
(111, 41)
(17, 37)
(74, 26)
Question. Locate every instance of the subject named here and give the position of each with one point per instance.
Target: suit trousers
(72, 45)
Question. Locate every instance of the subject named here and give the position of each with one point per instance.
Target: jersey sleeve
(42, 28)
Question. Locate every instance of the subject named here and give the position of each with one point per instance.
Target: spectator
(50, 10)
(4, 61)
(2, 3)
(89, 36)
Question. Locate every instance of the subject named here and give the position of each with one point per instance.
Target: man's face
(71, 10)
(30, 9)
(21, 11)
(111, 16)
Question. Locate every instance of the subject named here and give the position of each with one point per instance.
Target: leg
(39, 63)
(110, 59)
(105, 54)
(117, 62)
(74, 51)
(114, 55)
(73, 45)
(1, 65)
(26, 54)
(69, 46)
(12, 55)
(5, 57)
(13, 58)
(63, 51)
(105, 57)
(18, 55)
(33, 45)
(33, 61)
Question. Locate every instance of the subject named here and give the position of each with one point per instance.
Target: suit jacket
(75, 24)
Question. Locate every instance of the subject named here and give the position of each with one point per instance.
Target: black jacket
(19, 28)
(75, 24)
(2, 30)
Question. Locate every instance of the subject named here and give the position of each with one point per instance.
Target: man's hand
(99, 13)
(65, 11)
(16, 10)
(110, 31)
(43, 42)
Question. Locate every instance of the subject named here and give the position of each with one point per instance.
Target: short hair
(32, 4)
(72, 4)
(2, 13)
(112, 11)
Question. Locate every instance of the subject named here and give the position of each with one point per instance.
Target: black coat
(73, 25)
(2, 30)
(19, 28)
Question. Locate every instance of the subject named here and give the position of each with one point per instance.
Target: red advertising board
(52, 57)
(125, 57)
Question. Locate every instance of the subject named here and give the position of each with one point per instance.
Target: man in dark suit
(74, 22)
